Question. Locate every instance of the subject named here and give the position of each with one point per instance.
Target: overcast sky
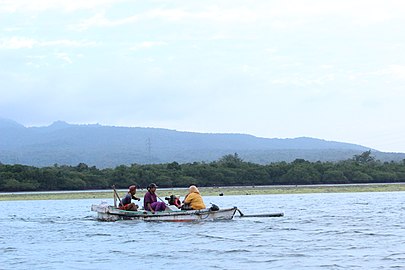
(332, 70)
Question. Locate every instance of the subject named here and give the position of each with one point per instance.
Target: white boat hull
(109, 213)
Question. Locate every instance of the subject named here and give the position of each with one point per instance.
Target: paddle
(160, 199)
(260, 215)
(167, 204)
(116, 196)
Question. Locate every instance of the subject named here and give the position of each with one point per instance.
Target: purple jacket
(149, 198)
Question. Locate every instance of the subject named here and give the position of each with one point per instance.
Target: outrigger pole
(260, 215)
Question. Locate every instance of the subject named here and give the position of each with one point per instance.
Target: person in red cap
(126, 203)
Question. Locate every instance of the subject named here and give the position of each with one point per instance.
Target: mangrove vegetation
(230, 170)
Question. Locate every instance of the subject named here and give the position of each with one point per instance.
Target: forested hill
(109, 146)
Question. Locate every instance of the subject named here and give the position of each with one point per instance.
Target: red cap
(132, 188)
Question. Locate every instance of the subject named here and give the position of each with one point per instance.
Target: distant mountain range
(108, 146)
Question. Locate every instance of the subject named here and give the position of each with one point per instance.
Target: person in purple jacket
(150, 202)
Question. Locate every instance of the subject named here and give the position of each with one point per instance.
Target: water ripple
(318, 231)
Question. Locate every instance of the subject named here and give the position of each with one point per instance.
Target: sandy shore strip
(207, 191)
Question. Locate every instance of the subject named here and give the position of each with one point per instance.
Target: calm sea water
(318, 231)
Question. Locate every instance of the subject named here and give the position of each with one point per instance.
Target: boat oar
(160, 199)
(260, 215)
(116, 194)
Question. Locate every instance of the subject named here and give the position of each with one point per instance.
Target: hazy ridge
(109, 146)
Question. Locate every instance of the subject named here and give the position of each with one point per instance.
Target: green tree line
(230, 170)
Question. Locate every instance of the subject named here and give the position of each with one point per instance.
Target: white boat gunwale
(110, 213)
(168, 213)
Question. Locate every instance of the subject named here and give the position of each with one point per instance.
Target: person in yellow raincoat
(194, 199)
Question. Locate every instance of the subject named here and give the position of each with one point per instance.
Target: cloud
(23, 6)
(64, 57)
(279, 15)
(24, 43)
(202, 65)
(304, 81)
(68, 43)
(396, 71)
(213, 14)
(17, 43)
(208, 14)
(148, 44)
(100, 20)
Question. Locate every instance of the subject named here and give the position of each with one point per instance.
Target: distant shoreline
(207, 191)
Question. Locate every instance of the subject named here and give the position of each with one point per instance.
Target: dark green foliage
(230, 170)
(230, 161)
(334, 176)
(364, 157)
(302, 174)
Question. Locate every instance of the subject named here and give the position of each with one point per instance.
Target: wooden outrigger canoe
(110, 213)
(107, 212)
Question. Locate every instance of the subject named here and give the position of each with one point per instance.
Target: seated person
(193, 199)
(150, 202)
(174, 200)
(125, 203)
